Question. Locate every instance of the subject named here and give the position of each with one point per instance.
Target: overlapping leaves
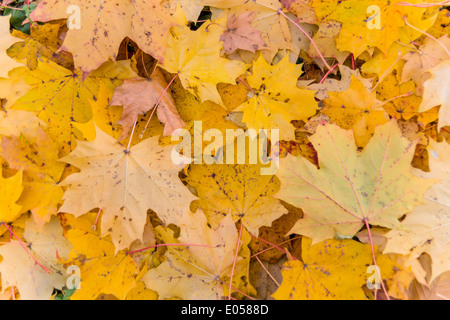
(88, 179)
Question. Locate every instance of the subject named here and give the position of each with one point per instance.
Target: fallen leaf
(355, 35)
(43, 41)
(98, 39)
(331, 269)
(442, 25)
(357, 109)
(428, 56)
(195, 57)
(19, 269)
(139, 95)
(375, 185)
(324, 40)
(276, 99)
(19, 122)
(239, 190)
(302, 9)
(274, 26)
(124, 182)
(199, 272)
(427, 226)
(239, 34)
(401, 102)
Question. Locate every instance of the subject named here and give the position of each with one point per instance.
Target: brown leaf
(266, 284)
(241, 35)
(139, 95)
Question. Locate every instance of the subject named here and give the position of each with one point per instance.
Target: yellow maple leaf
(124, 182)
(442, 24)
(277, 100)
(19, 122)
(208, 113)
(190, 9)
(203, 271)
(195, 57)
(43, 41)
(427, 56)
(401, 102)
(141, 293)
(104, 116)
(239, 190)
(331, 269)
(382, 63)
(356, 35)
(356, 108)
(102, 271)
(324, 41)
(96, 38)
(61, 98)
(10, 189)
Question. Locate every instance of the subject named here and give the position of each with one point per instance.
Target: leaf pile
(95, 191)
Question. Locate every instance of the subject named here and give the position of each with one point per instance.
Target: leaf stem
(308, 36)
(273, 245)
(280, 11)
(94, 226)
(267, 271)
(397, 97)
(12, 8)
(131, 135)
(366, 222)
(353, 61)
(247, 85)
(443, 129)
(235, 258)
(267, 249)
(328, 73)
